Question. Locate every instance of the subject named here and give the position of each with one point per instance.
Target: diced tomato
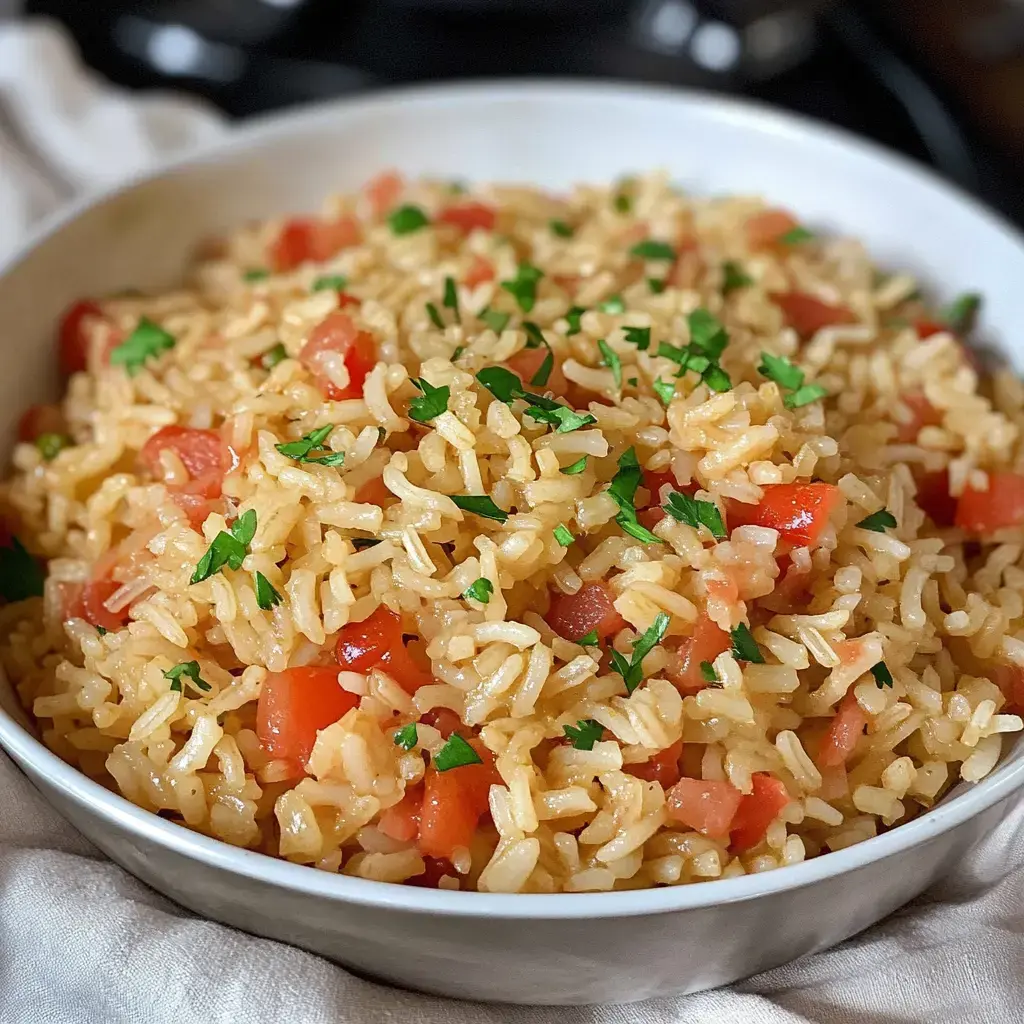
(308, 238)
(934, 497)
(808, 315)
(800, 512)
(654, 481)
(383, 192)
(373, 492)
(480, 270)
(844, 733)
(764, 229)
(295, 705)
(337, 333)
(756, 812)
(444, 720)
(90, 604)
(706, 644)
(1002, 505)
(402, 822)
(434, 869)
(590, 609)
(453, 803)
(525, 363)
(468, 217)
(1010, 679)
(73, 336)
(198, 508)
(922, 414)
(663, 767)
(203, 453)
(926, 327)
(37, 420)
(376, 642)
(705, 805)
(345, 300)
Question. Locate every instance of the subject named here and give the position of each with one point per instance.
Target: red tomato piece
(933, 496)
(89, 604)
(468, 217)
(1010, 679)
(383, 192)
(591, 609)
(757, 811)
(800, 512)
(295, 705)
(1002, 505)
(922, 414)
(73, 336)
(654, 481)
(198, 508)
(337, 333)
(361, 645)
(203, 453)
(405, 669)
(764, 229)
(808, 315)
(444, 720)
(373, 492)
(402, 822)
(926, 327)
(37, 420)
(308, 238)
(843, 734)
(706, 644)
(480, 270)
(663, 767)
(525, 363)
(345, 300)
(705, 805)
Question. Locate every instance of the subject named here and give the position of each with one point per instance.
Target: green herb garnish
(632, 670)
(782, 371)
(266, 596)
(431, 403)
(623, 490)
(707, 672)
(535, 339)
(878, 522)
(584, 734)
(406, 737)
(588, 639)
(21, 576)
(50, 445)
(147, 341)
(454, 754)
(563, 535)
(493, 319)
(795, 236)
(611, 360)
(614, 305)
(310, 445)
(883, 677)
(506, 386)
(189, 669)
(696, 513)
(734, 277)
(406, 219)
(523, 287)
(502, 383)
(435, 317)
(480, 505)
(665, 390)
(652, 250)
(572, 317)
(479, 590)
(707, 333)
(639, 336)
(458, 352)
(804, 396)
(329, 283)
(451, 298)
(656, 286)
(273, 356)
(622, 203)
(576, 467)
(100, 631)
(560, 228)
(744, 646)
(960, 314)
(228, 548)
(256, 274)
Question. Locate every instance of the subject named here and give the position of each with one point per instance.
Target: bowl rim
(114, 809)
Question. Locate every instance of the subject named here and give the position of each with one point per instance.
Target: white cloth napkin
(81, 942)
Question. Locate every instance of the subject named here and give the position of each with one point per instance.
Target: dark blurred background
(941, 80)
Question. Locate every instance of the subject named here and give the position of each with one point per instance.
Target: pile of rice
(942, 611)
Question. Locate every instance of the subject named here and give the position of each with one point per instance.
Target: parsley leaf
(189, 669)
(506, 386)
(147, 341)
(495, 320)
(435, 317)
(273, 356)
(228, 548)
(716, 378)
(960, 314)
(612, 361)
(656, 286)
(614, 304)
(622, 203)
(782, 371)
(311, 444)
(588, 639)
(707, 333)
(665, 390)
(480, 505)
(502, 383)
(564, 419)
(878, 522)
(632, 670)
(804, 396)
(266, 596)
(451, 298)
(696, 513)
(560, 228)
(329, 283)
(639, 336)
(883, 677)
(406, 219)
(577, 467)
(572, 317)
(101, 631)
(431, 403)
(458, 352)
(406, 737)
(622, 490)
(795, 236)
(50, 445)
(744, 646)
(653, 250)
(563, 535)
(584, 734)
(256, 274)
(479, 590)
(734, 277)
(707, 672)
(454, 754)
(21, 576)
(523, 287)
(535, 339)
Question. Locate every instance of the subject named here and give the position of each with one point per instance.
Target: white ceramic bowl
(606, 947)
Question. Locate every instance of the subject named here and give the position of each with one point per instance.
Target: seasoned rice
(811, 678)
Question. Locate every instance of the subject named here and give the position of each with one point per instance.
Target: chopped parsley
(584, 734)
(790, 378)
(622, 490)
(878, 522)
(572, 318)
(561, 417)
(622, 203)
(804, 396)
(479, 590)
(707, 333)
(960, 314)
(653, 250)
(707, 672)
(795, 236)
(50, 445)
(563, 535)
(665, 390)
(480, 505)
(883, 677)
(256, 274)
(190, 670)
(612, 361)
(20, 574)
(560, 228)
(493, 319)
(535, 339)
(406, 737)
(455, 753)
(100, 631)
(273, 356)
(435, 317)
(266, 596)
(734, 277)
(744, 646)
(633, 382)
(696, 513)
(404, 220)
(451, 298)
(632, 670)
(588, 639)
(576, 467)
(656, 285)
(228, 548)
(613, 304)
(716, 378)
(639, 336)
(523, 287)
(458, 352)
(431, 403)
(329, 283)
(506, 386)
(502, 383)
(312, 444)
(147, 341)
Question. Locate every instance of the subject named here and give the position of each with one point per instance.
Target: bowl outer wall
(552, 134)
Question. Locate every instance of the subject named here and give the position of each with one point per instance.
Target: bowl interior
(143, 235)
